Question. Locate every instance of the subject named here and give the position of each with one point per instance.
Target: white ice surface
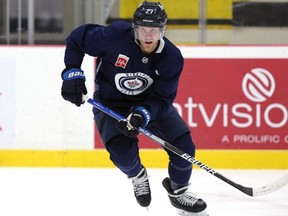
(107, 192)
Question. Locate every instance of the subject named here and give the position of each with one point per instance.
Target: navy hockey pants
(124, 151)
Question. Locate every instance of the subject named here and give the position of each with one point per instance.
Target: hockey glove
(73, 85)
(140, 117)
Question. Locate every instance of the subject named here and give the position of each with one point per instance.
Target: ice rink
(107, 192)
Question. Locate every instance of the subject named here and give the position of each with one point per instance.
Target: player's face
(148, 37)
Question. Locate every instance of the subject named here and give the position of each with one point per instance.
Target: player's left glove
(139, 117)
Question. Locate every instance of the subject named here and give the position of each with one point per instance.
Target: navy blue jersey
(125, 76)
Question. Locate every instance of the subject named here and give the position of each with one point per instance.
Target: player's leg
(177, 185)
(173, 129)
(124, 153)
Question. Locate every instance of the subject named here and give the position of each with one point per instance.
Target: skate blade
(147, 209)
(185, 213)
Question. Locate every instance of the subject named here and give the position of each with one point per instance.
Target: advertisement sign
(235, 103)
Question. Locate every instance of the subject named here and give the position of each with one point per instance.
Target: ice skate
(142, 188)
(186, 204)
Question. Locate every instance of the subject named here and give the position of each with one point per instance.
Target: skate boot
(186, 204)
(142, 188)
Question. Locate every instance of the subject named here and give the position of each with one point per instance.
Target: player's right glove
(139, 117)
(73, 86)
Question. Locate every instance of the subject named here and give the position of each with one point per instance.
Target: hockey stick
(253, 192)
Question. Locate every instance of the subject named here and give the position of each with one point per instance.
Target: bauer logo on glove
(73, 86)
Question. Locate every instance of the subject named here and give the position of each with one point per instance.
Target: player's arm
(86, 39)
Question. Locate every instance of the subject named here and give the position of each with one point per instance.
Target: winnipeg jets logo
(122, 61)
(132, 83)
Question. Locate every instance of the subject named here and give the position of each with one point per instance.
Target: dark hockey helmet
(150, 14)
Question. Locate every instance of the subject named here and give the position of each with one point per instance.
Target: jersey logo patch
(122, 61)
(132, 83)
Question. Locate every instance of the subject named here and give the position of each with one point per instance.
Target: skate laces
(141, 184)
(187, 199)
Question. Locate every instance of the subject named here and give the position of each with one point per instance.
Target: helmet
(150, 14)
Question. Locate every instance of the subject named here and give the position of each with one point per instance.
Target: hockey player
(137, 75)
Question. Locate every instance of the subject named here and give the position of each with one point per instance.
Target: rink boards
(152, 158)
(234, 99)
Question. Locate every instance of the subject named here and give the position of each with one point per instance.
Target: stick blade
(276, 185)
